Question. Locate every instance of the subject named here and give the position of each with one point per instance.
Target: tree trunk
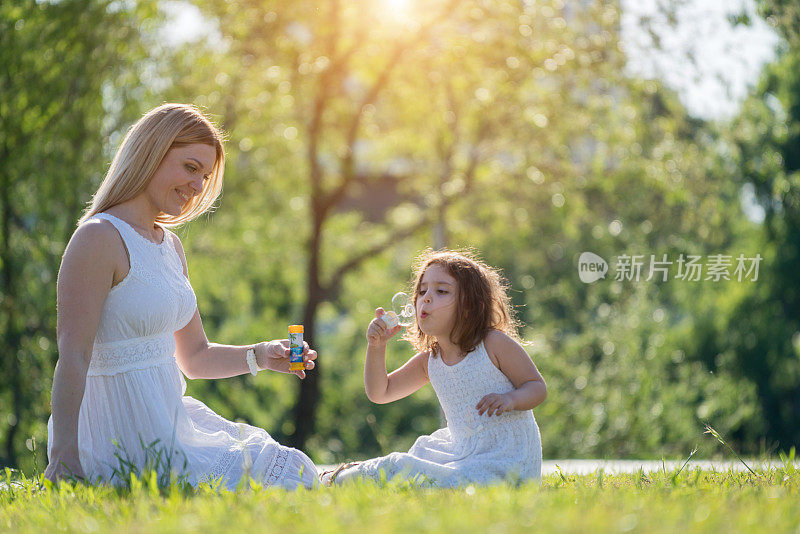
(308, 396)
(12, 334)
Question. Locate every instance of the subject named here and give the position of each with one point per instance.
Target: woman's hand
(496, 403)
(63, 467)
(378, 334)
(274, 355)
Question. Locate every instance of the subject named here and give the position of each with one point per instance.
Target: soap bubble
(404, 308)
(402, 311)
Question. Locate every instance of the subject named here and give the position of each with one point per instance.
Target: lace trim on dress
(221, 466)
(130, 354)
(277, 469)
(274, 474)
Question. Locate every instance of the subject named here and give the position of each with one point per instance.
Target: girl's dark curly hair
(483, 304)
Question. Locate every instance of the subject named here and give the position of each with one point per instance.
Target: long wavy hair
(483, 303)
(143, 149)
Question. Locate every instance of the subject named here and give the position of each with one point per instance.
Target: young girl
(485, 381)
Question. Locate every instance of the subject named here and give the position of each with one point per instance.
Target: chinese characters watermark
(634, 268)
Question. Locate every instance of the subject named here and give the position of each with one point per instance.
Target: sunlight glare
(399, 11)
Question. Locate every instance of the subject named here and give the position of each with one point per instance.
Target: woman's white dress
(134, 392)
(472, 448)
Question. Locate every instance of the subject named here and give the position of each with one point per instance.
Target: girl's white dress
(134, 392)
(472, 448)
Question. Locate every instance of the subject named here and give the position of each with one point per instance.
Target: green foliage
(784, 16)
(530, 146)
(69, 79)
(357, 139)
(764, 347)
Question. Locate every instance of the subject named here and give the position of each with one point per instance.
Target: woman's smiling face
(180, 176)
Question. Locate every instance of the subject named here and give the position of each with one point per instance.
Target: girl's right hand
(63, 467)
(377, 332)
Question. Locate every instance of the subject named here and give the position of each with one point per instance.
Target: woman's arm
(199, 358)
(380, 387)
(94, 260)
(529, 390)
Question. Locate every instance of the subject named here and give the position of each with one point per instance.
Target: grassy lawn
(666, 501)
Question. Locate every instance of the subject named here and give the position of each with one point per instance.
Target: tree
(528, 132)
(68, 79)
(765, 141)
(351, 76)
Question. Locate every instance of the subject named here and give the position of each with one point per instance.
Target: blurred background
(360, 133)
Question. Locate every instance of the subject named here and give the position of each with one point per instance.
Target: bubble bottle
(296, 348)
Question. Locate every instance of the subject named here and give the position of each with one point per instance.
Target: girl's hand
(496, 403)
(377, 332)
(63, 467)
(274, 355)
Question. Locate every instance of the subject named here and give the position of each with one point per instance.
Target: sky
(726, 65)
(728, 59)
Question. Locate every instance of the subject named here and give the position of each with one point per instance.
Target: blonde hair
(483, 302)
(143, 149)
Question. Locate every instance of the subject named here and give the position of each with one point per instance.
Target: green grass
(677, 501)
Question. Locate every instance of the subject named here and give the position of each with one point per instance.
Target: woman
(128, 326)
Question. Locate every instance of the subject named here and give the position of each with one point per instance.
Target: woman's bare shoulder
(96, 241)
(94, 234)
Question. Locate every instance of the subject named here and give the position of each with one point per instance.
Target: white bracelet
(251, 361)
